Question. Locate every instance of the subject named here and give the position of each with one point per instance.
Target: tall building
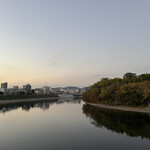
(4, 85)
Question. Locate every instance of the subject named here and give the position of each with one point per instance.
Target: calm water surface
(71, 125)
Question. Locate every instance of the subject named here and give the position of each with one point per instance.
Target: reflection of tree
(133, 124)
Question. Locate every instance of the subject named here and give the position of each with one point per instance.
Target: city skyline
(62, 43)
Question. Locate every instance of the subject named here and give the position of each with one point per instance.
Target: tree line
(131, 90)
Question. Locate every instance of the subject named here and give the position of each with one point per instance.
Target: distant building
(62, 90)
(46, 89)
(38, 91)
(4, 85)
(16, 87)
(52, 90)
(27, 88)
(11, 91)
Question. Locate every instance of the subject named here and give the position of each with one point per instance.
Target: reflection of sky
(72, 42)
(62, 126)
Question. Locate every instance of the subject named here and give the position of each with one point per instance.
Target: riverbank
(13, 101)
(122, 108)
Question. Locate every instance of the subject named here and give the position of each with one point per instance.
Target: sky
(72, 42)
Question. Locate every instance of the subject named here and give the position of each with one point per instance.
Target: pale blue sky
(72, 42)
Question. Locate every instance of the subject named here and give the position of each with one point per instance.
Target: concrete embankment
(122, 108)
(13, 101)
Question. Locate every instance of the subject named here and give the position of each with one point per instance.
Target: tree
(129, 76)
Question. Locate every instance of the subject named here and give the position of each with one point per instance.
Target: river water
(69, 124)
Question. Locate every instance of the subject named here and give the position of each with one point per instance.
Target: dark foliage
(131, 123)
(132, 90)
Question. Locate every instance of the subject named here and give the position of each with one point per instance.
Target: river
(69, 124)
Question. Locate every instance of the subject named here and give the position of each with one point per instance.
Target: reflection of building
(4, 85)
(43, 105)
(27, 88)
(7, 109)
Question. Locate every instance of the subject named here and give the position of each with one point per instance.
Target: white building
(46, 90)
(38, 91)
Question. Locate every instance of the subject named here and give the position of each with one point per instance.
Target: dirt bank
(122, 108)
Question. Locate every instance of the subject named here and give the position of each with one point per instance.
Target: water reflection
(133, 124)
(69, 100)
(44, 105)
